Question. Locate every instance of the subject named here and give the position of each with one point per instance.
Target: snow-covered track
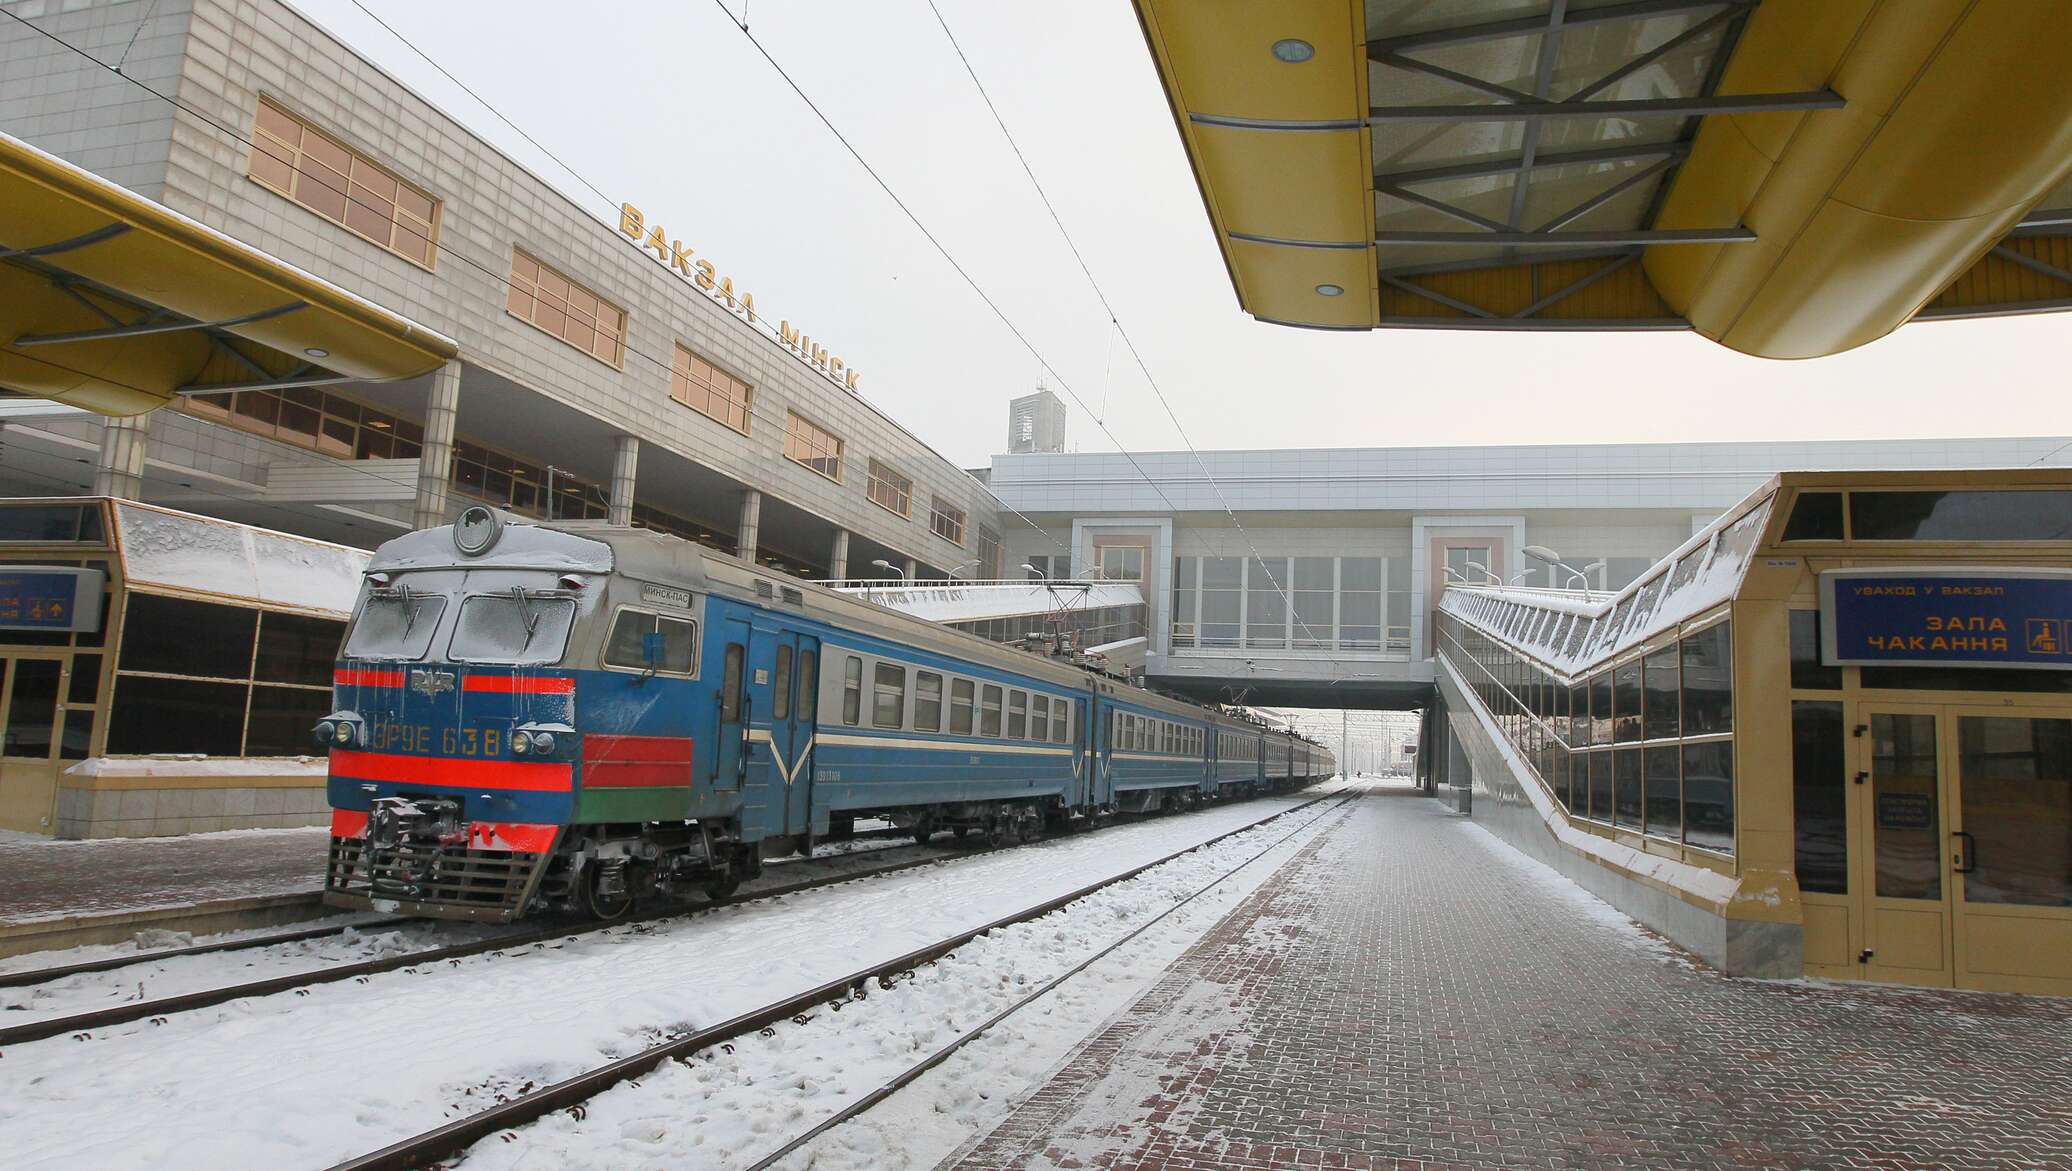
(81, 1025)
(428, 1148)
(116, 963)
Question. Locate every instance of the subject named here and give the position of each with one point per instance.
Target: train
(573, 717)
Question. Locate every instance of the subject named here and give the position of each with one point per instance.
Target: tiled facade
(220, 57)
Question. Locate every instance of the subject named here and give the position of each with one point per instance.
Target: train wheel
(722, 887)
(924, 829)
(960, 832)
(605, 907)
(1031, 827)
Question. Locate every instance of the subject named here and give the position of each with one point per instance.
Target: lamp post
(881, 563)
(962, 565)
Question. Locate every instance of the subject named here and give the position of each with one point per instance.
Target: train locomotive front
(512, 719)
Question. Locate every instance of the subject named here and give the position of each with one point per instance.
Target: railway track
(81, 1025)
(429, 1148)
(26, 979)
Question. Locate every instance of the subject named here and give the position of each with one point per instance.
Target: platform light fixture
(317, 352)
(1293, 50)
(1330, 290)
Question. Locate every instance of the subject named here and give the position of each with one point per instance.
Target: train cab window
(730, 685)
(627, 646)
(519, 627)
(1017, 715)
(1039, 717)
(989, 711)
(780, 686)
(852, 691)
(888, 696)
(395, 624)
(960, 707)
(809, 685)
(927, 701)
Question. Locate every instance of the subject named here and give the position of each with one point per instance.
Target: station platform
(1410, 992)
(56, 893)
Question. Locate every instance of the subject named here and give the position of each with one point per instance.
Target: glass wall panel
(1626, 715)
(1601, 708)
(1806, 670)
(179, 637)
(1315, 586)
(1708, 792)
(1601, 785)
(1819, 796)
(1906, 818)
(179, 715)
(32, 710)
(1222, 600)
(1579, 715)
(1266, 607)
(1659, 676)
(1961, 516)
(1708, 681)
(1627, 790)
(1664, 791)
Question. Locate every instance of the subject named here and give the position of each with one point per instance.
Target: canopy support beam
(155, 323)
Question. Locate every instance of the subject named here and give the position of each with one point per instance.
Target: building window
(1122, 562)
(219, 680)
(312, 419)
(709, 390)
(342, 185)
(988, 553)
(523, 486)
(813, 446)
(946, 520)
(554, 304)
(889, 490)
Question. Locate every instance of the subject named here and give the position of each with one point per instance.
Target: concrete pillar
(435, 457)
(119, 469)
(625, 462)
(750, 528)
(838, 560)
(906, 564)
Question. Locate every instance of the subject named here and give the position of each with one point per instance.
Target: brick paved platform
(1411, 993)
(45, 879)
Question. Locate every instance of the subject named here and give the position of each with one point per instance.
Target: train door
(1101, 736)
(770, 745)
(730, 755)
(794, 700)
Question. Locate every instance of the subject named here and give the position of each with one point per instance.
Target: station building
(605, 366)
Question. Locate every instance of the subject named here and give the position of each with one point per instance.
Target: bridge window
(1961, 516)
(888, 696)
(960, 706)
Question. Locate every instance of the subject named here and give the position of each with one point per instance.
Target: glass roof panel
(1390, 85)
(1401, 145)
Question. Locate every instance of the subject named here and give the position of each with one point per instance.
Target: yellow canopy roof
(117, 304)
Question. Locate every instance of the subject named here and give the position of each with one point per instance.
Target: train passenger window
(518, 627)
(1060, 732)
(960, 707)
(1039, 717)
(730, 685)
(989, 711)
(888, 696)
(809, 685)
(927, 701)
(1017, 715)
(627, 649)
(780, 686)
(852, 691)
(392, 625)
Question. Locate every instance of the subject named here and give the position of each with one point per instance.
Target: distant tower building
(1036, 422)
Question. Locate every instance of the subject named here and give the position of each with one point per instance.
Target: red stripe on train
(630, 762)
(544, 777)
(348, 823)
(362, 677)
(520, 684)
(482, 835)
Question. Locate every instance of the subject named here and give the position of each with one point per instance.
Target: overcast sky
(664, 104)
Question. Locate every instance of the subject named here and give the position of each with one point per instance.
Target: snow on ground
(149, 941)
(150, 979)
(1561, 886)
(299, 1081)
(727, 1109)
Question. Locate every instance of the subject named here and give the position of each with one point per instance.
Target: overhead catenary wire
(503, 278)
(994, 306)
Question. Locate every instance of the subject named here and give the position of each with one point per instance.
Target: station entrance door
(1960, 845)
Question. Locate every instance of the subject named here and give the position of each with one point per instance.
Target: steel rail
(114, 963)
(914, 1072)
(82, 1024)
(421, 1150)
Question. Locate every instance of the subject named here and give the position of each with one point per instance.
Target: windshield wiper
(526, 613)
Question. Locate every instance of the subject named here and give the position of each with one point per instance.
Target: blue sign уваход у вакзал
(1943, 617)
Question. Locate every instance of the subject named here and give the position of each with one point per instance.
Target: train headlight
(325, 730)
(542, 742)
(521, 743)
(342, 732)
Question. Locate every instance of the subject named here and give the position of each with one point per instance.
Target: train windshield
(395, 624)
(522, 626)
